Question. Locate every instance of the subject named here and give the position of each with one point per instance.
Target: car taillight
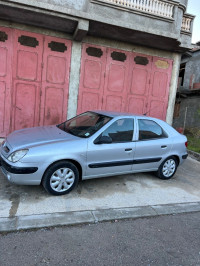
(186, 144)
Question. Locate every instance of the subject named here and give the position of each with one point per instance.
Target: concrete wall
(192, 69)
(192, 115)
(75, 4)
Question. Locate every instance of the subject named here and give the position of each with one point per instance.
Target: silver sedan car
(91, 145)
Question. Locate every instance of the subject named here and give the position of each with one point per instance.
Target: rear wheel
(60, 178)
(168, 168)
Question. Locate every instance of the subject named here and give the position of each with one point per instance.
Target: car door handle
(128, 149)
(163, 147)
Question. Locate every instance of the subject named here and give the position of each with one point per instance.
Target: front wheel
(60, 178)
(168, 168)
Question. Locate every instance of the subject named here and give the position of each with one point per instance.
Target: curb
(194, 154)
(90, 217)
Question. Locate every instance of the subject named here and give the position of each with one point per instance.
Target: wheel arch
(177, 158)
(77, 164)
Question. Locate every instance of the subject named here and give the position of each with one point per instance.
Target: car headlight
(17, 155)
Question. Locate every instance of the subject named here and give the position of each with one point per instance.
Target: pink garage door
(116, 80)
(27, 68)
(39, 73)
(55, 80)
(92, 78)
(127, 81)
(5, 79)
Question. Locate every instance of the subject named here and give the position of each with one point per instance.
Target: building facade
(187, 106)
(63, 57)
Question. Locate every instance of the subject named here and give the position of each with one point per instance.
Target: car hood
(29, 137)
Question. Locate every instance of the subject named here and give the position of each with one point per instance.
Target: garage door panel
(90, 101)
(139, 81)
(24, 105)
(3, 61)
(54, 104)
(56, 69)
(91, 84)
(92, 74)
(27, 65)
(159, 84)
(114, 103)
(55, 80)
(159, 87)
(116, 78)
(2, 105)
(136, 105)
(140, 75)
(157, 109)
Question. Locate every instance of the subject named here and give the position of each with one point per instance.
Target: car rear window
(149, 129)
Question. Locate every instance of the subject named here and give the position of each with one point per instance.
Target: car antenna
(150, 110)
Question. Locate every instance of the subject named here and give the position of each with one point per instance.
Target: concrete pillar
(74, 79)
(173, 87)
(81, 30)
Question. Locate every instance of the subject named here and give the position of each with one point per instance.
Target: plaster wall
(192, 115)
(192, 68)
(75, 4)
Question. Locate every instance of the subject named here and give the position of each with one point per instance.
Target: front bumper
(17, 170)
(20, 175)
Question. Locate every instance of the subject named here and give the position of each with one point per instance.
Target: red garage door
(116, 80)
(35, 68)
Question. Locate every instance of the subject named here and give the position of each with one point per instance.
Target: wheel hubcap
(169, 168)
(62, 179)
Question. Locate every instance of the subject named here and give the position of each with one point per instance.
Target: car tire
(168, 168)
(60, 178)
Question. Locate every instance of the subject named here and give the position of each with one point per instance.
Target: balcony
(156, 7)
(160, 24)
(187, 23)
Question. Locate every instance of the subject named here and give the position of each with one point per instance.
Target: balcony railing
(155, 7)
(186, 23)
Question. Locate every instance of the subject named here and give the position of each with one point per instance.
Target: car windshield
(84, 125)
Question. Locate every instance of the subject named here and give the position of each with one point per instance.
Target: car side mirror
(103, 140)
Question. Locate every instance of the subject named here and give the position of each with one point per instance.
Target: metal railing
(155, 7)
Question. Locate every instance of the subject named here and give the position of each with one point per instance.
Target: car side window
(149, 129)
(120, 131)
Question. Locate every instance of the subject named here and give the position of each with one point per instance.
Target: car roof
(115, 114)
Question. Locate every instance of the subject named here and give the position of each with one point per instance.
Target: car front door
(152, 146)
(112, 151)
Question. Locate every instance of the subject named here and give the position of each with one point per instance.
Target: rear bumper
(185, 156)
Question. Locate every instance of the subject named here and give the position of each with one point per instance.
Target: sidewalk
(111, 198)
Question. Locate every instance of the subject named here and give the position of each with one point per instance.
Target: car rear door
(152, 145)
(112, 158)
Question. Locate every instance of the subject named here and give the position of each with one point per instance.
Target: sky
(194, 9)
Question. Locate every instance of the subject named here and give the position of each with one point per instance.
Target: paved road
(163, 240)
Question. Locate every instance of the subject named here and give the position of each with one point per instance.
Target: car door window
(149, 129)
(120, 131)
